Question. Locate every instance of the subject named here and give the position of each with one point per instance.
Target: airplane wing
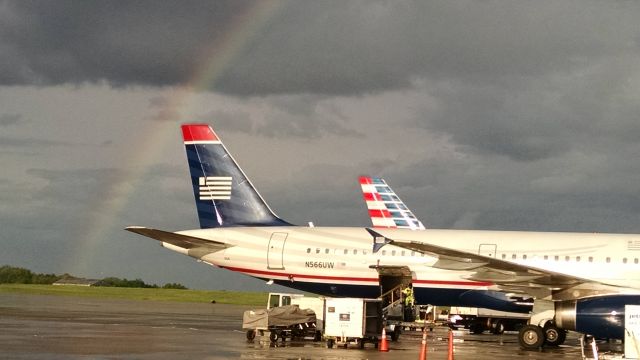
(183, 241)
(507, 276)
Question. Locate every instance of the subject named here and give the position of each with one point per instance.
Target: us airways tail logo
(214, 187)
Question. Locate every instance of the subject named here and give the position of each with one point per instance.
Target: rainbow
(143, 150)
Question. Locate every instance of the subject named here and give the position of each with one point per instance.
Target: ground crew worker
(408, 303)
(408, 296)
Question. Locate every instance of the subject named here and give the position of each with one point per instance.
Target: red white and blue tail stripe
(385, 207)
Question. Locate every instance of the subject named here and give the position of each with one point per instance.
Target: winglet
(378, 240)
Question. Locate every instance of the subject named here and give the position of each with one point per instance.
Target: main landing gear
(533, 337)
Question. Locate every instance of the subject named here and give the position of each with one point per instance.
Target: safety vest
(408, 296)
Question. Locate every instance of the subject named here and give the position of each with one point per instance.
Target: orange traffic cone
(383, 342)
(423, 349)
(450, 357)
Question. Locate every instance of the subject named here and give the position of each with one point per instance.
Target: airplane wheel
(554, 336)
(531, 337)
(395, 335)
(498, 327)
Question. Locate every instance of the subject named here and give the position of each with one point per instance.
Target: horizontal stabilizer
(179, 240)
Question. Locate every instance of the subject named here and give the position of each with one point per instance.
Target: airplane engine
(602, 316)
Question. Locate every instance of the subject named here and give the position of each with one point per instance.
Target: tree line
(17, 275)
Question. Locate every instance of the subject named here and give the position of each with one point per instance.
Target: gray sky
(514, 115)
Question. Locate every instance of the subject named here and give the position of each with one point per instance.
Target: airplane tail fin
(385, 207)
(224, 195)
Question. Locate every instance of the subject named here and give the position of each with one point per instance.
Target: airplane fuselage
(335, 261)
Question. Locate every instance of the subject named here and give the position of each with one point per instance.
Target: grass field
(198, 296)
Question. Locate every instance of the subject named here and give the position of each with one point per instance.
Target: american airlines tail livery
(586, 279)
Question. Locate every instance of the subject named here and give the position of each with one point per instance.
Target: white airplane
(587, 277)
(387, 210)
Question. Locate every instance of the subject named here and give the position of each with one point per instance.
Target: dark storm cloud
(324, 47)
(542, 117)
(75, 188)
(297, 116)
(165, 109)
(9, 119)
(123, 43)
(30, 143)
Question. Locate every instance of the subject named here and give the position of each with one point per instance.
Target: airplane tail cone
(384, 346)
(450, 356)
(423, 349)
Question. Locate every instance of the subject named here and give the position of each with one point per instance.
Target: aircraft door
(488, 250)
(393, 280)
(275, 252)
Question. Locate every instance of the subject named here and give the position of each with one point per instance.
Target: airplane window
(577, 258)
(393, 253)
(355, 252)
(364, 252)
(326, 251)
(608, 259)
(504, 256)
(317, 250)
(567, 258)
(635, 261)
(402, 253)
(524, 257)
(513, 256)
(346, 251)
(413, 253)
(557, 258)
(308, 250)
(590, 258)
(624, 260)
(546, 257)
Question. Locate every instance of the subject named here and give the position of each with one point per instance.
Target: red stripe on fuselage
(343, 278)
(198, 132)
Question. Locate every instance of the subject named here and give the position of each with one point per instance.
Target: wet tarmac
(55, 327)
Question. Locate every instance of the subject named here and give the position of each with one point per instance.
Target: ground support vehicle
(281, 322)
(352, 321)
(478, 320)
